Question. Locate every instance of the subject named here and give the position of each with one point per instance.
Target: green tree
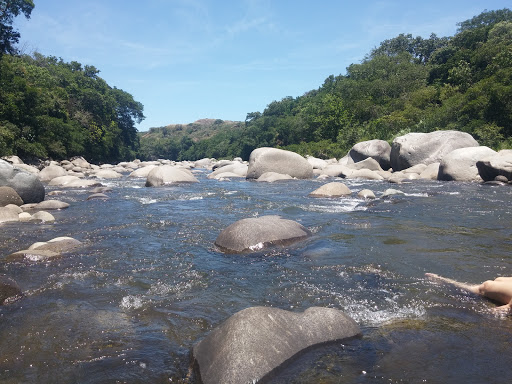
(9, 9)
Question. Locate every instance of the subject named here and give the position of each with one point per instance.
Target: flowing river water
(148, 284)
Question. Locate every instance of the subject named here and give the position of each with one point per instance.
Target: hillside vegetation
(407, 84)
(173, 141)
(53, 109)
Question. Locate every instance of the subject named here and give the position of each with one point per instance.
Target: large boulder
(255, 233)
(167, 174)
(276, 160)
(9, 290)
(427, 148)
(27, 185)
(256, 341)
(498, 165)
(378, 150)
(460, 164)
(9, 196)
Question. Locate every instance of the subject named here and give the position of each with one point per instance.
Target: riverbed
(148, 284)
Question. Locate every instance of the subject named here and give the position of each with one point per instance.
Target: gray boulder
(427, 148)
(333, 189)
(107, 174)
(378, 150)
(256, 233)
(7, 214)
(498, 165)
(270, 177)
(167, 174)
(460, 164)
(27, 185)
(51, 172)
(51, 204)
(142, 172)
(336, 170)
(276, 160)
(237, 168)
(42, 216)
(254, 342)
(43, 251)
(366, 194)
(9, 196)
(9, 290)
(369, 163)
(430, 172)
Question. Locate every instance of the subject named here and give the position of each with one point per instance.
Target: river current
(148, 284)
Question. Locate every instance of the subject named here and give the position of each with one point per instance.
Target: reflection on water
(149, 283)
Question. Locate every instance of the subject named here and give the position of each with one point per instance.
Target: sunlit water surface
(149, 283)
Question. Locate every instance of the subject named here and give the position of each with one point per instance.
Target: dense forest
(407, 84)
(53, 109)
(50, 108)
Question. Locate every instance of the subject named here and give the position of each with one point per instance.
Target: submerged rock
(333, 189)
(42, 251)
(9, 290)
(256, 233)
(255, 341)
(52, 204)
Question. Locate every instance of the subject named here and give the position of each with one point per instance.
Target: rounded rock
(254, 234)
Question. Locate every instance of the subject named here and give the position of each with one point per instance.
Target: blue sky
(190, 59)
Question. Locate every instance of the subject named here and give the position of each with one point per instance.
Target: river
(148, 284)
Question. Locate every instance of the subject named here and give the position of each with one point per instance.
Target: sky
(186, 60)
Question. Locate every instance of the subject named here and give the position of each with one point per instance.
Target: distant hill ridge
(198, 130)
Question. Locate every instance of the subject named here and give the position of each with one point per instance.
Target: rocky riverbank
(440, 155)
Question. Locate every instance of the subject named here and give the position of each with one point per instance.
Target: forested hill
(407, 84)
(53, 109)
(173, 141)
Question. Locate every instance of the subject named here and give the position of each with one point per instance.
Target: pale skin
(498, 290)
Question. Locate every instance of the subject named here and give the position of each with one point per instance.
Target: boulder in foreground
(276, 160)
(254, 342)
(256, 233)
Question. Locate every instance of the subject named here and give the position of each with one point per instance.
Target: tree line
(50, 108)
(407, 84)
